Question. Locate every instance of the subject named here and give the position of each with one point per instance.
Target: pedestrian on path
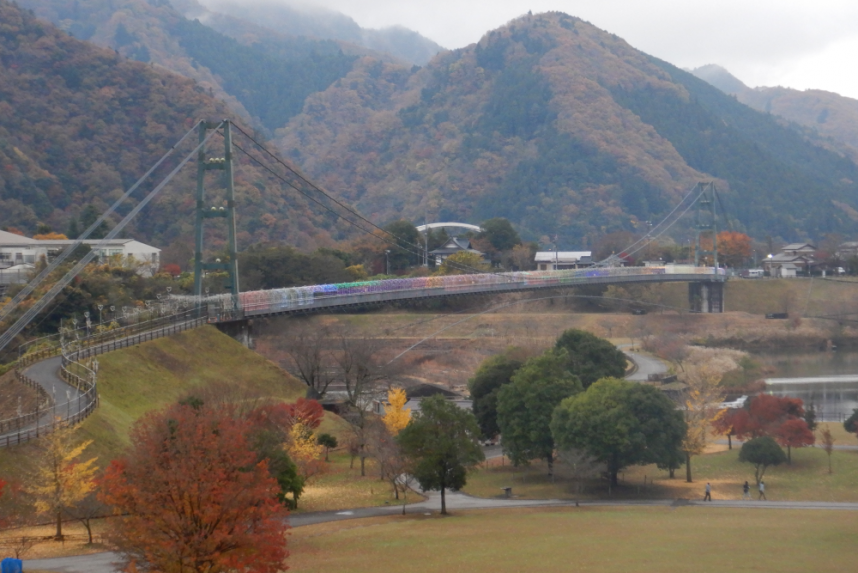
(746, 491)
(762, 491)
(708, 496)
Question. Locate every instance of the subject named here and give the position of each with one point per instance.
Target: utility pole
(203, 211)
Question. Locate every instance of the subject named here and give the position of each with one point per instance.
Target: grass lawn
(807, 479)
(154, 374)
(341, 487)
(75, 544)
(604, 540)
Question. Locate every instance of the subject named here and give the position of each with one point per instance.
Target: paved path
(68, 400)
(646, 365)
(105, 562)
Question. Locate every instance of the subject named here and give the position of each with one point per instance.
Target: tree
(734, 248)
(525, 407)
(762, 452)
(392, 464)
(702, 392)
(463, 263)
(328, 442)
(60, 479)
(86, 510)
(193, 497)
(794, 433)
(620, 423)
(396, 415)
(309, 350)
(406, 251)
(493, 373)
(722, 425)
(499, 233)
(590, 357)
(851, 423)
(305, 451)
(441, 444)
(762, 415)
(827, 443)
(578, 465)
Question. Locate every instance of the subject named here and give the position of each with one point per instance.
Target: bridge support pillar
(241, 330)
(706, 297)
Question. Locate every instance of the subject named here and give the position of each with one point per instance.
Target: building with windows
(560, 260)
(16, 250)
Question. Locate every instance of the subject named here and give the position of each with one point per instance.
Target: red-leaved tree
(192, 497)
(763, 415)
(794, 433)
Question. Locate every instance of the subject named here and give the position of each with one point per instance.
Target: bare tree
(383, 447)
(87, 510)
(827, 443)
(362, 370)
(577, 465)
(311, 358)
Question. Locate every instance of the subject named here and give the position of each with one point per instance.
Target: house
(794, 259)
(17, 250)
(453, 246)
(847, 251)
(560, 260)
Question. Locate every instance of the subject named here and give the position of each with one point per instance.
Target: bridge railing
(221, 307)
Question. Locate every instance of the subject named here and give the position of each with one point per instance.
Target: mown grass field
(603, 540)
(806, 479)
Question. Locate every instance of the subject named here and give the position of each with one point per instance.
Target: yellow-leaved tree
(703, 396)
(60, 479)
(396, 415)
(305, 450)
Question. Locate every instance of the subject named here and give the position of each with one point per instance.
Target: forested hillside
(79, 124)
(564, 129)
(825, 115)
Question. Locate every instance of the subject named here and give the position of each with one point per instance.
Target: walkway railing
(79, 370)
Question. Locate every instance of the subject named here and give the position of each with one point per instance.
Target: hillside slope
(565, 129)
(825, 114)
(79, 124)
(154, 374)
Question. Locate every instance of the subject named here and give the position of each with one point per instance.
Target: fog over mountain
(317, 22)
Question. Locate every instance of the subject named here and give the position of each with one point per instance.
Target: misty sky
(795, 43)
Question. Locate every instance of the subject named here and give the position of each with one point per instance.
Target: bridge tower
(706, 296)
(211, 210)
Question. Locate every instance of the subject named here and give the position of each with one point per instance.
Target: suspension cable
(31, 313)
(35, 282)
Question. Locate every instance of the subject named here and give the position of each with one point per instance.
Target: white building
(559, 260)
(17, 250)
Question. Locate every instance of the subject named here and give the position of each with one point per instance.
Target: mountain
(298, 20)
(79, 124)
(829, 117)
(564, 129)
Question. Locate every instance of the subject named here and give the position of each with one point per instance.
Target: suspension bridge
(233, 310)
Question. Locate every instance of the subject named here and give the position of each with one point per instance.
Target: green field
(603, 540)
(806, 479)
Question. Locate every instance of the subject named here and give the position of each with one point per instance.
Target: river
(828, 380)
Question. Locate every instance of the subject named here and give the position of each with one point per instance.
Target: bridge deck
(328, 297)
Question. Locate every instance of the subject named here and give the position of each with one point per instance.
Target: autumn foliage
(396, 415)
(734, 248)
(193, 497)
(766, 415)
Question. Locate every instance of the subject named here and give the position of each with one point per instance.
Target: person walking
(762, 491)
(746, 491)
(708, 496)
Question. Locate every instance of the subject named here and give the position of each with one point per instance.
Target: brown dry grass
(13, 394)
(604, 540)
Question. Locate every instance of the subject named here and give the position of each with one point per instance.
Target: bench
(507, 492)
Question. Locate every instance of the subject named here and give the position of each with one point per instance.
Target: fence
(80, 376)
